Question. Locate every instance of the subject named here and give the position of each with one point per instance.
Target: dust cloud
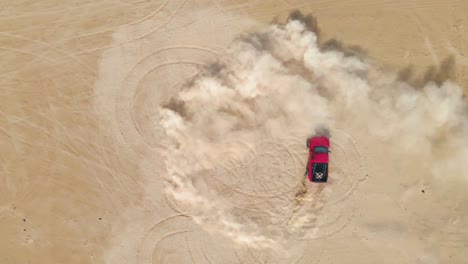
(278, 87)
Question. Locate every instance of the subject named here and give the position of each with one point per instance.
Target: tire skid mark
(147, 246)
(205, 255)
(137, 21)
(52, 10)
(126, 99)
(139, 128)
(172, 203)
(190, 249)
(258, 204)
(320, 200)
(62, 53)
(358, 174)
(236, 168)
(46, 59)
(128, 24)
(153, 30)
(132, 112)
(204, 245)
(70, 149)
(172, 226)
(40, 129)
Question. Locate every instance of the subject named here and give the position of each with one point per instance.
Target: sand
(84, 174)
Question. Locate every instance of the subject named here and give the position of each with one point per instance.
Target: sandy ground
(83, 177)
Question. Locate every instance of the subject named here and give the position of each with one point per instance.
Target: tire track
(158, 10)
(262, 206)
(324, 200)
(254, 202)
(131, 96)
(135, 93)
(162, 230)
(192, 244)
(167, 7)
(25, 15)
(76, 18)
(272, 205)
(249, 173)
(206, 249)
(352, 165)
(49, 56)
(160, 7)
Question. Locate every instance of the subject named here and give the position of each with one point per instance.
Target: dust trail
(279, 83)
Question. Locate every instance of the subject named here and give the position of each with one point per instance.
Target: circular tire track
(153, 249)
(259, 182)
(139, 98)
(177, 238)
(275, 165)
(348, 167)
(240, 172)
(330, 201)
(278, 165)
(263, 172)
(152, 81)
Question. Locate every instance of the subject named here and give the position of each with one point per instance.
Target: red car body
(317, 165)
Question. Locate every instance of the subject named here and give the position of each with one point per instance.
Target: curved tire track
(167, 228)
(262, 192)
(137, 96)
(168, 10)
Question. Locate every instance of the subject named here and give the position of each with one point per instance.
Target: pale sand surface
(82, 176)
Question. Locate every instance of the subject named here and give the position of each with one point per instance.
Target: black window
(320, 150)
(320, 167)
(319, 172)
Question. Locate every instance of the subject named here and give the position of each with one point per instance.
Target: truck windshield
(320, 150)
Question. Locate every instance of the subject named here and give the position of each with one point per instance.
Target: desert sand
(173, 131)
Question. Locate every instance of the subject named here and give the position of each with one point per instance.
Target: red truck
(317, 165)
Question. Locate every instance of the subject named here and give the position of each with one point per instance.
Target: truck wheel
(308, 143)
